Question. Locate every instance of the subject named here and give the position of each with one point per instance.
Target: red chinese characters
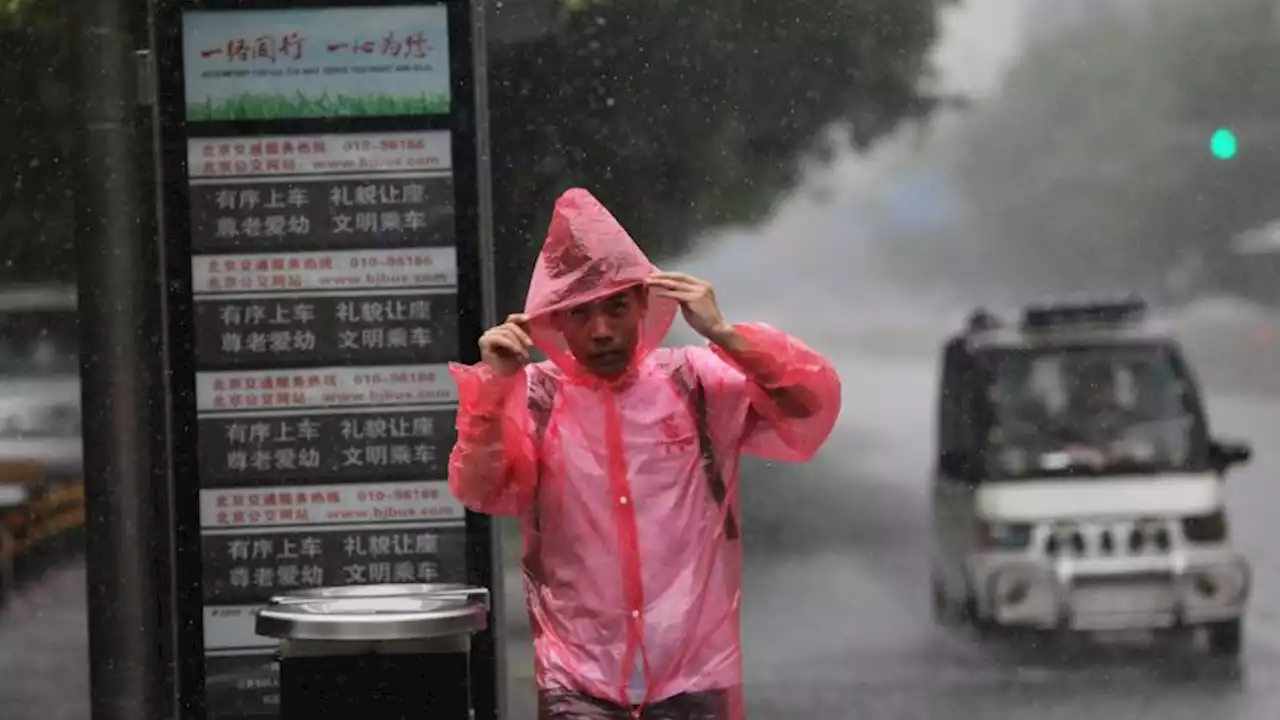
(251, 508)
(268, 390)
(286, 46)
(255, 517)
(257, 157)
(408, 46)
(263, 273)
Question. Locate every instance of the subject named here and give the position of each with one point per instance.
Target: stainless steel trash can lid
(385, 612)
(441, 590)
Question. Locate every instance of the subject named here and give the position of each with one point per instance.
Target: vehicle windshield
(38, 343)
(1089, 410)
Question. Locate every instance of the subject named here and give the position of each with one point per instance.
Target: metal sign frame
(466, 122)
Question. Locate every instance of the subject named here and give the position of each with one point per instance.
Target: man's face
(1096, 392)
(603, 334)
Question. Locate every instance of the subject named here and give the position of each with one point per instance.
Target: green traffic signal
(1223, 144)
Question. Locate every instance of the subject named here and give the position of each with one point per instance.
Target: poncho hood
(588, 255)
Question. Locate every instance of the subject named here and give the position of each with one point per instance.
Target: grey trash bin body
(376, 652)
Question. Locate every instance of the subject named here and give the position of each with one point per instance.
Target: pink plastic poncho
(632, 568)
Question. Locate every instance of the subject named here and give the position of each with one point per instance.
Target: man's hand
(505, 348)
(697, 301)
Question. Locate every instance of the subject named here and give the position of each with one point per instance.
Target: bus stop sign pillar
(376, 652)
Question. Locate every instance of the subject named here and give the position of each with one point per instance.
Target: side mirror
(1225, 453)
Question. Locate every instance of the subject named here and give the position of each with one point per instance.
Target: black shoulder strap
(710, 467)
(541, 400)
(542, 395)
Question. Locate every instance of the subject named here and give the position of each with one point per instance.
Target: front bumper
(1096, 594)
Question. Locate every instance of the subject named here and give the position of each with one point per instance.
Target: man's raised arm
(795, 391)
(493, 466)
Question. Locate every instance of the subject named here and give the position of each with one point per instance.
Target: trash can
(376, 652)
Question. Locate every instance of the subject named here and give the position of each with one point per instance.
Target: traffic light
(1223, 144)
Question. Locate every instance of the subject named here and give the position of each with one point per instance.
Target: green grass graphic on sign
(282, 107)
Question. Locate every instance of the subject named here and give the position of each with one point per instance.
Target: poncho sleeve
(777, 361)
(493, 466)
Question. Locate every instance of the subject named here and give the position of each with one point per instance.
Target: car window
(38, 343)
(1090, 410)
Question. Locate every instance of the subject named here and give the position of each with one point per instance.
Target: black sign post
(328, 254)
(123, 395)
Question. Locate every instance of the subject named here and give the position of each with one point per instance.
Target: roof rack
(981, 320)
(1121, 310)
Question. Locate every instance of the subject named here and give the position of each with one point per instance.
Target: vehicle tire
(1226, 639)
(988, 628)
(945, 612)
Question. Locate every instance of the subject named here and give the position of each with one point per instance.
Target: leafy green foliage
(35, 126)
(679, 115)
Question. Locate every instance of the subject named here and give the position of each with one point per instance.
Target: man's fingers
(680, 278)
(505, 343)
(517, 323)
(677, 281)
(518, 332)
(683, 296)
(665, 280)
(671, 284)
(515, 336)
(682, 291)
(506, 334)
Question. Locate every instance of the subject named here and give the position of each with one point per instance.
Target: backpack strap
(710, 467)
(541, 402)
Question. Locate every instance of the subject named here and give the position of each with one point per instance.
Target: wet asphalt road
(836, 611)
(836, 615)
(44, 655)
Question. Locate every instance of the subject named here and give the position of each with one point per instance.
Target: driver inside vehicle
(1098, 427)
(1093, 415)
(1089, 409)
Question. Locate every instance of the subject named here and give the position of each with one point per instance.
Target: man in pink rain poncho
(621, 459)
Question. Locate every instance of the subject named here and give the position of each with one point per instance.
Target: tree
(683, 116)
(1092, 169)
(679, 115)
(35, 215)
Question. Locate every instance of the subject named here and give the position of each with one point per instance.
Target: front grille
(1107, 540)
